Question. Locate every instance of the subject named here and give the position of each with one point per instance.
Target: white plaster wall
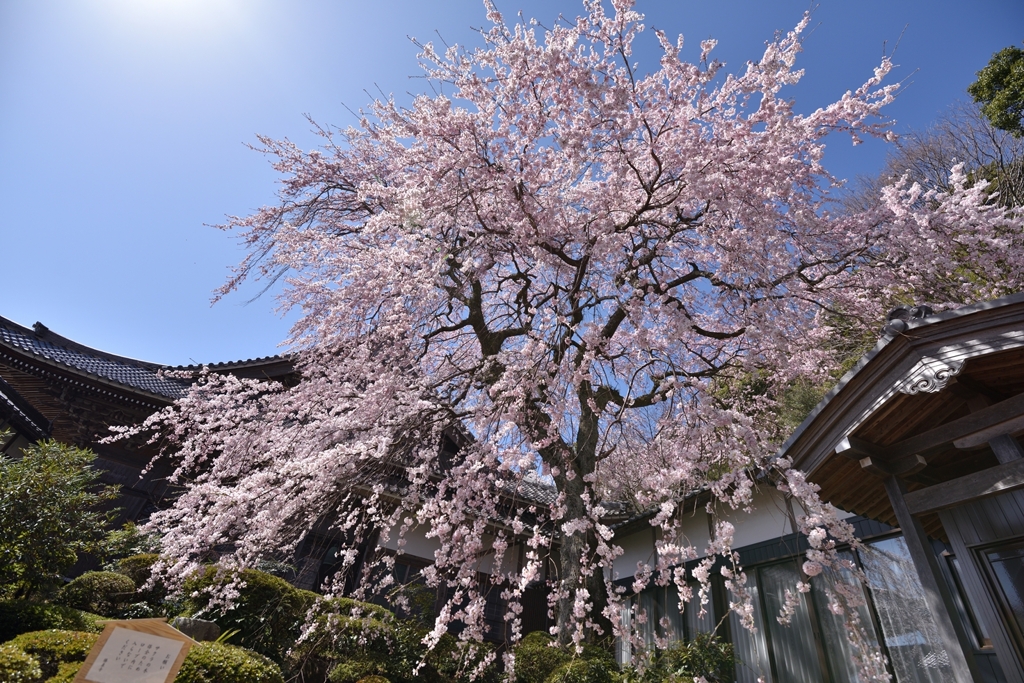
(799, 511)
(695, 531)
(510, 561)
(770, 519)
(416, 544)
(637, 547)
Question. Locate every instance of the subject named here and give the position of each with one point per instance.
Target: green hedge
(53, 648)
(347, 649)
(100, 592)
(220, 663)
(706, 655)
(66, 673)
(139, 568)
(538, 661)
(22, 616)
(16, 666)
(269, 612)
(584, 671)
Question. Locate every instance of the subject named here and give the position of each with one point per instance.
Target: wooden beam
(856, 448)
(952, 635)
(875, 467)
(990, 482)
(960, 428)
(1006, 448)
(902, 466)
(985, 435)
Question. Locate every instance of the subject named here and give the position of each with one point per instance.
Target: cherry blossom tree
(570, 263)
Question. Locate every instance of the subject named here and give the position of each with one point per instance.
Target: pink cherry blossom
(561, 260)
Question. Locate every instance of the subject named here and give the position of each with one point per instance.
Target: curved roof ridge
(883, 342)
(42, 343)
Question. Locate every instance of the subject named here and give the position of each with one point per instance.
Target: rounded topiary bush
(17, 666)
(537, 658)
(66, 673)
(348, 640)
(584, 671)
(22, 616)
(219, 663)
(139, 568)
(268, 613)
(100, 592)
(54, 647)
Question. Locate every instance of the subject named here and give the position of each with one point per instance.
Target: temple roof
(909, 402)
(44, 347)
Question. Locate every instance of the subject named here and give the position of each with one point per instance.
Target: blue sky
(123, 123)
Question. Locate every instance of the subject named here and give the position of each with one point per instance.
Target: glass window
(794, 647)
(1006, 568)
(660, 606)
(695, 623)
(840, 653)
(910, 633)
(750, 647)
(977, 632)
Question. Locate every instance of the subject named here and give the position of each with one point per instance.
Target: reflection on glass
(793, 646)
(662, 619)
(695, 623)
(967, 616)
(911, 635)
(840, 653)
(1007, 565)
(750, 648)
(661, 605)
(623, 648)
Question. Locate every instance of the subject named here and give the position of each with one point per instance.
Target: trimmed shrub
(66, 673)
(53, 648)
(706, 655)
(584, 671)
(268, 613)
(22, 616)
(537, 658)
(100, 592)
(17, 666)
(342, 647)
(219, 663)
(347, 649)
(358, 670)
(139, 568)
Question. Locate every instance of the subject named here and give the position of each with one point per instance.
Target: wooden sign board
(135, 651)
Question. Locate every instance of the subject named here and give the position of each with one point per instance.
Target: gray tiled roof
(129, 373)
(533, 489)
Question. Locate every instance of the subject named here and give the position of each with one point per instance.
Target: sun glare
(174, 16)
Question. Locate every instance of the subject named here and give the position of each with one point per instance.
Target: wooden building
(919, 443)
(923, 435)
(53, 387)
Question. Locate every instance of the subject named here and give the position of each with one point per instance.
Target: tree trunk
(578, 549)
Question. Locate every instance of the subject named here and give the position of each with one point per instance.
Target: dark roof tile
(133, 374)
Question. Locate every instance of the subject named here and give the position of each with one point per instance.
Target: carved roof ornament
(930, 376)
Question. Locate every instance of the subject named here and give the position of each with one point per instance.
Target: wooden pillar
(953, 638)
(1006, 448)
